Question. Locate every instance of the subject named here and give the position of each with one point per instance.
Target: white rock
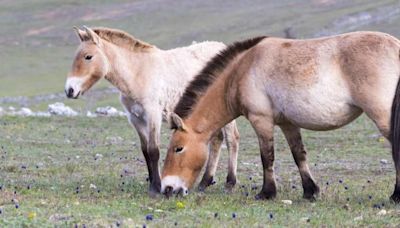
(90, 114)
(287, 202)
(60, 109)
(98, 156)
(382, 212)
(23, 112)
(11, 108)
(42, 114)
(359, 218)
(109, 111)
(304, 219)
(92, 186)
(384, 161)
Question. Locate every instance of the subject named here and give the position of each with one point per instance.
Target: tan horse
(317, 84)
(151, 81)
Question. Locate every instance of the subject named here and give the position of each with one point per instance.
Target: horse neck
(212, 111)
(125, 66)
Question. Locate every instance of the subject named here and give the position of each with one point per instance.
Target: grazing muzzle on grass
(187, 154)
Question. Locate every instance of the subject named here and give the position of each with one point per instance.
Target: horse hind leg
(387, 120)
(293, 137)
(212, 162)
(231, 135)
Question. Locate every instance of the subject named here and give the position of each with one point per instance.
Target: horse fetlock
(230, 182)
(266, 194)
(311, 190)
(396, 194)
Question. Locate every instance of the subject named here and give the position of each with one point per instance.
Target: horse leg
(264, 127)
(147, 131)
(213, 157)
(293, 137)
(381, 117)
(231, 135)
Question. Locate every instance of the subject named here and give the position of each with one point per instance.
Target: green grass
(36, 50)
(59, 156)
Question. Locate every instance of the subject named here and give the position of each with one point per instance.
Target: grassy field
(90, 172)
(68, 171)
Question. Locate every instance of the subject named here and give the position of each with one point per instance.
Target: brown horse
(317, 84)
(151, 81)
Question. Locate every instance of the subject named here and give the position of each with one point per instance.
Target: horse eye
(88, 57)
(178, 149)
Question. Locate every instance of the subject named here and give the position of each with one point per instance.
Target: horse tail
(395, 139)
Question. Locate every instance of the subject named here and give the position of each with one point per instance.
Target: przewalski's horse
(151, 81)
(317, 84)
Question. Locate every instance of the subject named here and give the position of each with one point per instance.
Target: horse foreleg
(293, 137)
(231, 135)
(148, 139)
(264, 127)
(212, 162)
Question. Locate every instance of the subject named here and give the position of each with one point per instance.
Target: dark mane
(209, 73)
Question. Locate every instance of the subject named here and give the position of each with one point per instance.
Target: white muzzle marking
(175, 182)
(75, 83)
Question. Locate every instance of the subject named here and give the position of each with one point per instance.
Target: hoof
(395, 197)
(265, 195)
(154, 190)
(205, 182)
(311, 192)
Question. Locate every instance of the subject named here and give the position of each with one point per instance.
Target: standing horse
(151, 81)
(318, 84)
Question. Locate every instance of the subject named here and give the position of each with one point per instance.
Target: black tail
(395, 140)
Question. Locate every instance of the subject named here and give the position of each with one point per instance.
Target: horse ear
(80, 33)
(176, 122)
(92, 35)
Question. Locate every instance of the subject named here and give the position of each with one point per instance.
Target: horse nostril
(70, 92)
(168, 191)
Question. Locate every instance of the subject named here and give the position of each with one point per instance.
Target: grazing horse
(151, 81)
(317, 84)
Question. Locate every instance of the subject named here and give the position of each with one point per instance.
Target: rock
(61, 109)
(23, 112)
(98, 156)
(92, 186)
(287, 202)
(384, 161)
(382, 212)
(108, 111)
(359, 218)
(90, 114)
(42, 114)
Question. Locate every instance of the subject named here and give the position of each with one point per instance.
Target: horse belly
(324, 105)
(317, 116)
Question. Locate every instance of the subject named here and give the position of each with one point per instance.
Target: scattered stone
(98, 156)
(60, 109)
(359, 218)
(346, 206)
(92, 186)
(90, 114)
(287, 202)
(384, 161)
(382, 212)
(109, 111)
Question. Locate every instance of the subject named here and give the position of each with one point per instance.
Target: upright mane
(210, 73)
(122, 39)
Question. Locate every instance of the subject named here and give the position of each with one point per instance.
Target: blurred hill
(37, 43)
